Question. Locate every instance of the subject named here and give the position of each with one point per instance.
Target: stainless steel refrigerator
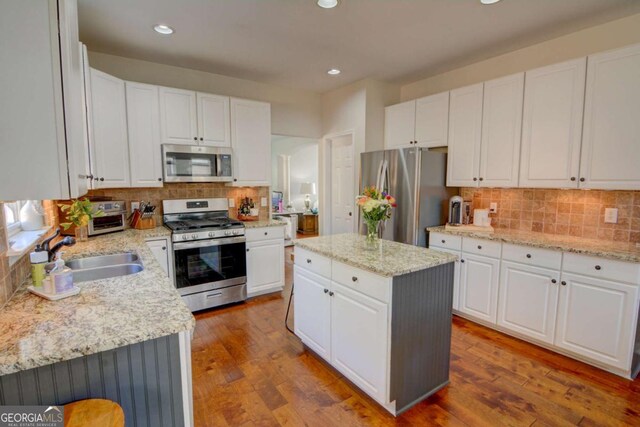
(416, 178)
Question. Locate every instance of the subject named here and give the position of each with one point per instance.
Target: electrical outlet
(263, 202)
(611, 215)
(135, 205)
(232, 203)
(493, 207)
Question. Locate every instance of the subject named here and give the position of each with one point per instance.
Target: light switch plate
(493, 207)
(263, 202)
(611, 215)
(232, 203)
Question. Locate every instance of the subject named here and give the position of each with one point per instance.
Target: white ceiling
(294, 42)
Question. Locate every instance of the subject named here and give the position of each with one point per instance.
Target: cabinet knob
(563, 283)
(598, 267)
(159, 179)
(326, 291)
(164, 248)
(247, 249)
(266, 233)
(330, 293)
(481, 179)
(235, 180)
(528, 255)
(582, 180)
(90, 176)
(554, 281)
(573, 178)
(201, 139)
(444, 241)
(479, 246)
(461, 260)
(354, 279)
(101, 178)
(195, 138)
(475, 179)
(308, 261)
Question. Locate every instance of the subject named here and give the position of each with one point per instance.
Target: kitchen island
(125, 338)
(381, 316)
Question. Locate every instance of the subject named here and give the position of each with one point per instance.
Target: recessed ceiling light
(163, 29)
(327, 4)
(489, 1)
(333, 72)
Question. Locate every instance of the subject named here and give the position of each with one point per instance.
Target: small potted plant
(79, 213)
(247, 210)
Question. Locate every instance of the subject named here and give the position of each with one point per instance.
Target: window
(12, 216)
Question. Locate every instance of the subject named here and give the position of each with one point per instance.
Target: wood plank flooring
(249, 370)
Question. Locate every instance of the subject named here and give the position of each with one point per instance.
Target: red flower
(394, 205)
(388, 197)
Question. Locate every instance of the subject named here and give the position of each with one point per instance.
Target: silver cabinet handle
(217, 294)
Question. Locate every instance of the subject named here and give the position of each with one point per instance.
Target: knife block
(145, 224)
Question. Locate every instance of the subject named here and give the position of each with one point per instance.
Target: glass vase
(372, 233)
(82, 233)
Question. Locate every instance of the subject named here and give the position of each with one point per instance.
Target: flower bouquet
(376, 206)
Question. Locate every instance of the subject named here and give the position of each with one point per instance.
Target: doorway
(339, 170)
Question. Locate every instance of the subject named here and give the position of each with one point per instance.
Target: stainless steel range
(209, 252)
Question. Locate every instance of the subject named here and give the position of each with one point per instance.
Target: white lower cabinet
(528, 300)
(312, 312)
(359, 339)
(479, 286)
(161, 250)
(597, 318)
(265, 260)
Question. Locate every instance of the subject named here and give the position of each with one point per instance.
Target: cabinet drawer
(481, 247)
(601, 268)
(370, 284)
(532, 256)
(264, 233)
(447, 241)
(313, 262)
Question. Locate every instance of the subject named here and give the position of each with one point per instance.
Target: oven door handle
(207, 243)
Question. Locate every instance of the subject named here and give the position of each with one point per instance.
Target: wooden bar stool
(93, 413)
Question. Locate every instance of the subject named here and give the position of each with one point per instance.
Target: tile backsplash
(577, 213)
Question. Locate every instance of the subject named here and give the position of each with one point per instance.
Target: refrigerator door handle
(379, 176)
(384, 178)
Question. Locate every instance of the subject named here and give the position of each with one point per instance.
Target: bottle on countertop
(61, 276)
(39, 259)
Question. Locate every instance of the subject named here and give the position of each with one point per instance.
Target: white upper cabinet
(214, 124)
(178, 116)
(611, 136)
(432, 120)
(465, 125)
(143, 124)
(552, 125)
(399, 125)
(109, 143)
(251, 142)
(501, 128)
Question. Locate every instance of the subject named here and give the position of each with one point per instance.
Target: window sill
(22, 242)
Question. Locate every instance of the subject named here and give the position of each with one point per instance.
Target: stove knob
(184, 237)
(227, 233)
(194, 236)
(236, 232)
(116, 206)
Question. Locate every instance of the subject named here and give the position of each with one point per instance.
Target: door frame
(324, 178)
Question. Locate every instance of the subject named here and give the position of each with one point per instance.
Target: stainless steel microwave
(196, 163)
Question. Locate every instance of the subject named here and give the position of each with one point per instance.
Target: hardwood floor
(249, 370)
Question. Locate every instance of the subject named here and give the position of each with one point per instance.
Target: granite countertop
(579, 245)
(265, 223)
(390, 259)
(107, 314)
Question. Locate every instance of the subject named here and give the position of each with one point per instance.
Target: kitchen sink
(103, 261)
(105, 266)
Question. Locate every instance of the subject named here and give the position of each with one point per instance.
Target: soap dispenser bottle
(61, 276)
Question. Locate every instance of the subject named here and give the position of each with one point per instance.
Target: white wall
(293, 112)
(303, 153)
(595, 39)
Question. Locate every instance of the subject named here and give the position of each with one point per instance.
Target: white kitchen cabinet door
(432, 120)
(456, 276)
(265, 266)
(161, 250)
(110, 154)
(143, 124)
(596, 319)
(465, 127)
(479, 286)
(528, 300)
(178, 116)
(214, 123)
(312, 314)
(501, 131)
(399, 125)
(251, 142)
(610, 144)
(552, 125)
(86, 121)
(359, 334)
